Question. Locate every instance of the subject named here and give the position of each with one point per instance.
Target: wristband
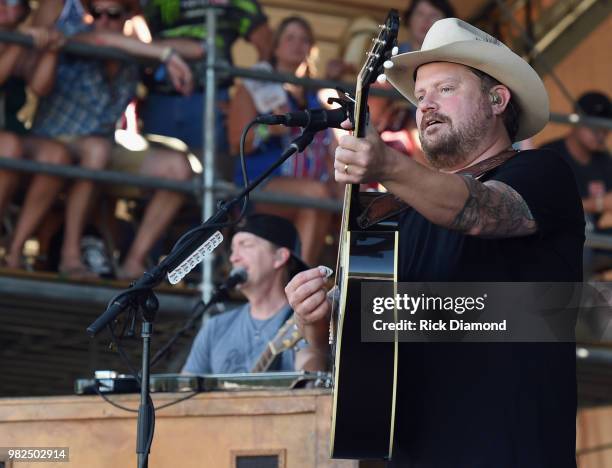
(166, 54)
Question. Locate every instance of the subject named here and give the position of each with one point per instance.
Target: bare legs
(161, 209)
(94, 153)
(10, 147)
(41, 194)
(43, 191)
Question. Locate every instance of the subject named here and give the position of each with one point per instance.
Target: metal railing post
(208, 200)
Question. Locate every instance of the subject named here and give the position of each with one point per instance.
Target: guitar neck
(286, 337)
(361, 111)
(265, 360)
(351, 190)
(350, 204)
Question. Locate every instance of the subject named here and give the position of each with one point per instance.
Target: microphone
(312, 119)
(237, 276)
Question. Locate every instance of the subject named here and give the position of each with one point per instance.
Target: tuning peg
(388, 64)
(382, 78)
(395, 50)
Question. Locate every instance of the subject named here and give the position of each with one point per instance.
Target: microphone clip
(346, 101)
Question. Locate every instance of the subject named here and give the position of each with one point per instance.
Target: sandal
(77, 272)
(123, 274)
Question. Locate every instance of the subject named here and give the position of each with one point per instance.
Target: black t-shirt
(592, 177)
(502, 405)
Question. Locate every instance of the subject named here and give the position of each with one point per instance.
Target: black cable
(98, 384)
(123, 355)
(111, 402)
(185, 237)
(191, 395)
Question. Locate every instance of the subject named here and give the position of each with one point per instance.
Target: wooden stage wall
(211, 430)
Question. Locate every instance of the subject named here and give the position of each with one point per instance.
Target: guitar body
(365, 373)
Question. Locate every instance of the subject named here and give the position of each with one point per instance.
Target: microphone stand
(140, 293)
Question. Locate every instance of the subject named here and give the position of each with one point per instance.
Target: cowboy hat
(453, 40)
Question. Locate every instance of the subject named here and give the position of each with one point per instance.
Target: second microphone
(313, 119)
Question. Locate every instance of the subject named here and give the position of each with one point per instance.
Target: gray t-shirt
(233, 342)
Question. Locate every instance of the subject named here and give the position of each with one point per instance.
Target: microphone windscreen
(239, 273)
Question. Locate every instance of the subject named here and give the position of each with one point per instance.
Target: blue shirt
(232, 342)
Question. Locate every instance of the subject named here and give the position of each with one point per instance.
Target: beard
(454, 146)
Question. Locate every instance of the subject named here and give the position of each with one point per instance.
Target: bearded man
(483, 212)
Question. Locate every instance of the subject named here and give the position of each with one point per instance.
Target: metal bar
(208, 174)
(117, 54)
(226, 189)
(598, 241)
(98, 175)
(79, 48)
(103, 52)
(583, 120)
(311, 83)
(531, 46)
(570, 119)
(193, 187)
(529, 22)
(91, 295)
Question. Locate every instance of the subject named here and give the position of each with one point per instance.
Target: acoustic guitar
(365, 374)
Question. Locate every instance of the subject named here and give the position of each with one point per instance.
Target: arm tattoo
(493, 209)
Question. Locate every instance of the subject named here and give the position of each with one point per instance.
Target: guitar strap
(388, 205)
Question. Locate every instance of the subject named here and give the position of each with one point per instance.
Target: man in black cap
(584, 149)
(268, 249)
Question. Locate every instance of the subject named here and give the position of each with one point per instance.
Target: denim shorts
(181, 117)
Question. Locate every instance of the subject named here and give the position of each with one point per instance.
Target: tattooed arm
(493, 209)
(453, 201)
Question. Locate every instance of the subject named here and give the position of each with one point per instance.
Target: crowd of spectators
(82, 101)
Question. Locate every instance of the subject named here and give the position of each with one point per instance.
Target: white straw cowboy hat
(453, 40)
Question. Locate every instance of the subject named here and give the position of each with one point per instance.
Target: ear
(499, 98)
(281, 257)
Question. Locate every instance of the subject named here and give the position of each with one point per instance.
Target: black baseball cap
(280, 231)
(595, 104)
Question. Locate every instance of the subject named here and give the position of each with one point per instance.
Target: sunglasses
(110, 13)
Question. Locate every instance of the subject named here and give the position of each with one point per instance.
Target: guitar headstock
(381, 51)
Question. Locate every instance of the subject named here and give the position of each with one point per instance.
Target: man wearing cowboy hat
(267, 247)
(481, 213)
